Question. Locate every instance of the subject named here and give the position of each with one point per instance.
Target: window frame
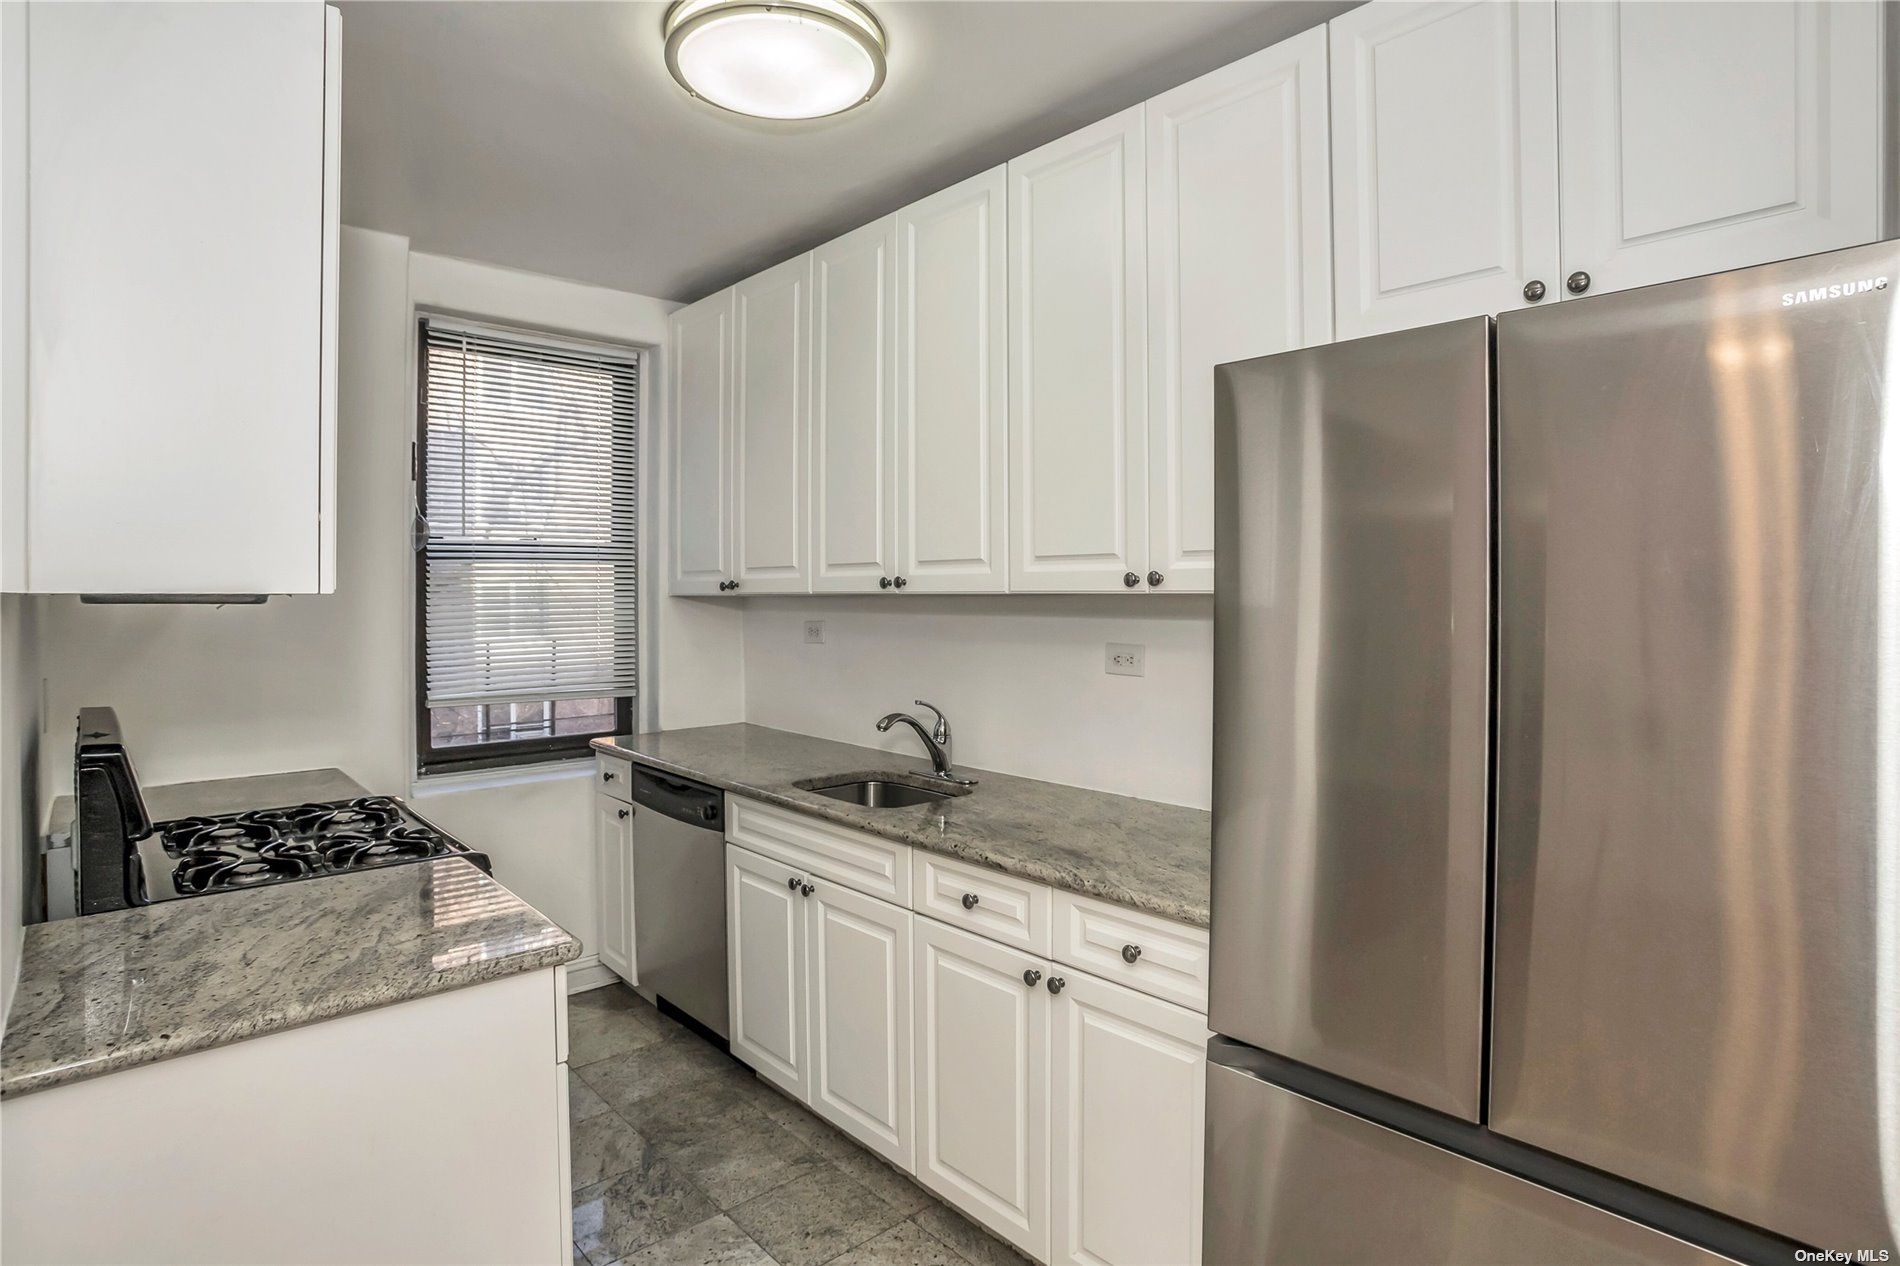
(431, 759)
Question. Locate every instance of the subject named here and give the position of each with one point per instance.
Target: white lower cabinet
(765, 968)
(1127, 1094)
(983, 1082)
(857, 958)
(820, 981)
(613, 884)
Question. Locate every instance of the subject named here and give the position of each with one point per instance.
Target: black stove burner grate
(266, 846)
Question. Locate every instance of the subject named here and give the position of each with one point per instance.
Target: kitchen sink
(883, 793)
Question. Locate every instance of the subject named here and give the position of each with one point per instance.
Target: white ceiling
(548, 136)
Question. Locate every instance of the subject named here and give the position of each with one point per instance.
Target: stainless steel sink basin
(880, 793)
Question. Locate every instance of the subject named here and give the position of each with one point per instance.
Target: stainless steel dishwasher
(679, 894)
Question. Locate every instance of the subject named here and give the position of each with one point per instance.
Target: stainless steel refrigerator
(1556, 905)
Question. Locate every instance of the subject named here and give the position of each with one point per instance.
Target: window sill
(422, 786)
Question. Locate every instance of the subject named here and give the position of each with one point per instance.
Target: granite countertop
(113, 991)
(225, 795)
(1136, 853)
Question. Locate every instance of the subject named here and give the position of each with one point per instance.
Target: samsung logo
(1791, 297)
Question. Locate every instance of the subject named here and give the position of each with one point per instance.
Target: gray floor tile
(714, 1242)
(580, 1258)
(607, 1022)
(813, 1219)
(582, 1101)
(602, 1147)
(657, 1070)
(887, 1183)
(619, 1217)
(972, 1242)
(905, 1244)
(702, 1107)
(745, 1161)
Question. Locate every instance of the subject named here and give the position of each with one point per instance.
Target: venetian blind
(528, 488)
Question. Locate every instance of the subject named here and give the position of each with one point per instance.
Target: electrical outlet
(1125, 659)
(814, 631)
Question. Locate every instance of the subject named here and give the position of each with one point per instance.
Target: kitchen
(916, 399)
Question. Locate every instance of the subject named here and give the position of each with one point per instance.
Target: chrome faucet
(936, 742)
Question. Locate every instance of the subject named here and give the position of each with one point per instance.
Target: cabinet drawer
(856, 859)
(986, 902)
(1158, 957)
(614, 776)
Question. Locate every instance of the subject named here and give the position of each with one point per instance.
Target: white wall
(1021, 677)
(315, 681)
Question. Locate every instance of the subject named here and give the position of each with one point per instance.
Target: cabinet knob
(883, 582)
(1577, 283)
(1130, 953)
(625, 814)
(900, 582)
(807, 889)
(969, 901)
(1057, 984)
(1533, 291)
(735, 586)
(1031, 976)
(792, 883)
(1154, 579)
(1130, 579)
(606, 775)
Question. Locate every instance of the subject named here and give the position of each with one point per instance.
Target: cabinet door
(1127, 1088)
(1444, 161)
(858, 980)
(613, 883)
(952, 391)
(1240, 264)
(771, 529)
(1078, 360)
(701, 338)
(181, 364)
(1700, 137)
(765, 968)
(983, 1081)
(853, 519)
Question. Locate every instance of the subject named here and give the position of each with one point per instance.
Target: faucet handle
(943, 722)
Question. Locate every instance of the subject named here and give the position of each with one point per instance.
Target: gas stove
(126, 859)
(191, 857)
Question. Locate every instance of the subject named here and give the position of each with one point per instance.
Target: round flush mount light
(792, 59)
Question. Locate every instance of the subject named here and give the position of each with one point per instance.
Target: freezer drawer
(1293, 1182)
(1352, 650)
(1698, 919)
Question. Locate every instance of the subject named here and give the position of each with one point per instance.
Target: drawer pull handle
(1057, 984)
(1130, 953)
(969, 901)
(1031, 976)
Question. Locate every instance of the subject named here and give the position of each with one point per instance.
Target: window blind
(528, 500)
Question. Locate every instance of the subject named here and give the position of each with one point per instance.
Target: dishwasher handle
(681, 799)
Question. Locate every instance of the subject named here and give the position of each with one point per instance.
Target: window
(526, 484)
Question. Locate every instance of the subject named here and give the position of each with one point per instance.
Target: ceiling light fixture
(792, 59)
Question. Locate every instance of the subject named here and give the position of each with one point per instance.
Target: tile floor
(682, 1157)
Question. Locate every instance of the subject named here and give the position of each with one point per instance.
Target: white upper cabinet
(854, 524)
(1078, 399)
(770, 528)
(1699, 137)
(1239, 265)
(952, 405)
(1444, 126)
(701, 338)
(182, 256)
